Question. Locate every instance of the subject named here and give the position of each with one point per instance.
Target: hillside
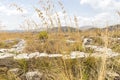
(63, 29)
(113, 27)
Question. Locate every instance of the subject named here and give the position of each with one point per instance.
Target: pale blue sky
(87, 11)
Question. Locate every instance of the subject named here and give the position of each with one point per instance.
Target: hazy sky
(88, 12)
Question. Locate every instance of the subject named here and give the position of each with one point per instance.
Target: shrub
(97, 41)
(43, 35)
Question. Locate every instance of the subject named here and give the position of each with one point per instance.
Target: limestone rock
(6, 55)
(21, 56)
(34, 75)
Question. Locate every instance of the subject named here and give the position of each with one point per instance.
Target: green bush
(43, 35)
(23, 64)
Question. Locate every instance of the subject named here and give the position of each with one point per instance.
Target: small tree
(43, 35)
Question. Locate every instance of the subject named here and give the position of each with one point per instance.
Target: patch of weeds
(113, 64)
(23, 64)
(77, 47)
(97, 41)
(43, 35)
(8, 45)
(90, 68)
(116, 47)
(73, 69)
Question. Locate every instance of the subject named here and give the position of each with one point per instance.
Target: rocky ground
(8, 58)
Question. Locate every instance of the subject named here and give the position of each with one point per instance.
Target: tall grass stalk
(102, 72)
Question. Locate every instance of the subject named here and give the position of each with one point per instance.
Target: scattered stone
(33, 55)
(20, 46)
(3, 50)
(6, 55)
(87, 41)
(5, 59)
(43, 55)
(9, 41)
(100, 52)
(34, 75)
(55, 55)
(70, 41)
(77, 54)
(21, 56)
(16, 48)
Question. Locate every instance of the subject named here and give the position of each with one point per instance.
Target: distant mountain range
(113, 27)
(110, 28)
(86, 28)
(71, 29)
(83, 28)
(12, 31)
(63, 29)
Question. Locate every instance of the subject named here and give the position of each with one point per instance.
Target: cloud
(107, 12)
(99, 20)
(11, 11)
(11, 16)
(102, 4)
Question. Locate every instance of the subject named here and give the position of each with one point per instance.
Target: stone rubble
(16, 48)
(55, 55)
(6, 55)
(20, 46)
(70, 41)
(77, 54)
(34, 55)
(99, 52)
(34, 75)
(3, 50)
(73, 55)
(21, 56)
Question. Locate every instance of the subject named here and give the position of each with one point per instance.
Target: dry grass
(76, 69)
